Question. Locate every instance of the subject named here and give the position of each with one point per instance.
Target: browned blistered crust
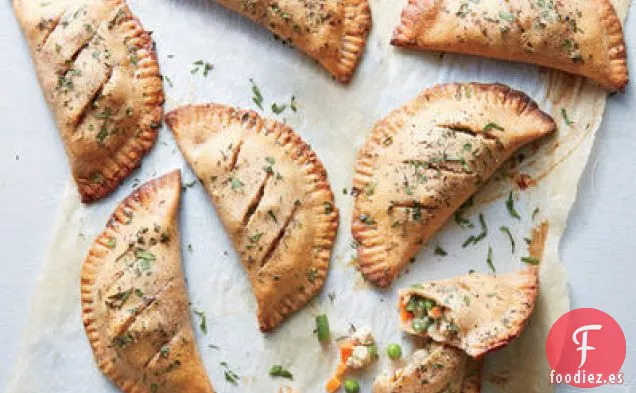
(582, 37)
(424, 160)
(136, 316)
(99, 73)
(333, 32)
(496, 312)
(272, 194)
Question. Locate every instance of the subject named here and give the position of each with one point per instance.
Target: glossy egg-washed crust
(435, 368)
(487, 311)
(333, 32)
(99, 73)
(135, 304)
(273, 197)
(424, 160)
(582, 37)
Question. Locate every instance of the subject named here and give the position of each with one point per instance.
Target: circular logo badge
(586, 348)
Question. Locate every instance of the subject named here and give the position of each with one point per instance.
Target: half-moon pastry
(434, 369)
(334, 32)
(582, 37)
(476, 313)
(425, 159)
(272, 195)
(98, 70)
(135, 304)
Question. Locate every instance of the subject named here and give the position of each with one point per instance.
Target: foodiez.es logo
(586, 348)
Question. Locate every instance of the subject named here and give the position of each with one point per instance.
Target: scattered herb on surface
(530, 260)
(203, 324)
(440, 251)
(494, 126)
(510, 205)
(257, 97)
(566, 118)
(489, 260)
(278, 371)
(278, 109)
(474, 239)
(506, 231)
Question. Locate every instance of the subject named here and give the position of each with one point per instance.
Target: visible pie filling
(425, 316)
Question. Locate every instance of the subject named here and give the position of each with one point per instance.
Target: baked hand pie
(135, 304)
(272, 195)
(424, 160)
(475, 313)
(333, 32)
(582, 37)
(98, 70)
(436, 368)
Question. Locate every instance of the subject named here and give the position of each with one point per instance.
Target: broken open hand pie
(424, 160)
(135, 305)
(99, 73)
(436, 368)
(582, 37)
(273, 197)
(333, 32)
(475, 313)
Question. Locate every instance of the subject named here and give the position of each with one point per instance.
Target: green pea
(394, 351)
(322, 328)
(351, 386)
(420, 325)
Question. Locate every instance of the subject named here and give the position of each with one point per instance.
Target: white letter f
(584, 347)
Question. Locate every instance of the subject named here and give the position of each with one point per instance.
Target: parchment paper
(335, 120)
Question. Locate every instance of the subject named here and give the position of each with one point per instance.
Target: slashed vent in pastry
(425, 159)
(134, 301)
(99, 73)
(582, 37)
(476, 313)
(333, 32)
(273, 197)
(434, 369)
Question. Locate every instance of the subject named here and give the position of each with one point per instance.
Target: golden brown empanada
(436, 368)
(427, 158)
(134, 301)
(476, 313)
(273, 197)
(99, 73)
(333, 32)
(582, 37)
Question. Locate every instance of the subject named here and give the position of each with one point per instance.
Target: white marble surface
(597, 249)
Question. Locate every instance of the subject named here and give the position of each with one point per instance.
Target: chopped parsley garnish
(564, 113)
(474, 239)
(168, 80)
(203, 324)
(535, 212)
(111, 243)
(271, 214)
(255, 237)
(506, 16)
(118, 299)
(292, 104)
(507, 232)
(236, 183)
(510, 205)
(367, 219)
(459, 215)
(440, 251)
(278, 109)
(491, 126)
(278, 371)
(369, 188)
(530, 260)
(328, 208)
(489, 260)
(201, 65)
(257, 97)
(230, 376)
(312, 274)
(165, 351)
(140, 253)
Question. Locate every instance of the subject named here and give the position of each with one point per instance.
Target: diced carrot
(341, 369)
(435, 312)
(346, 349)
(405, 315)
(333, 384)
